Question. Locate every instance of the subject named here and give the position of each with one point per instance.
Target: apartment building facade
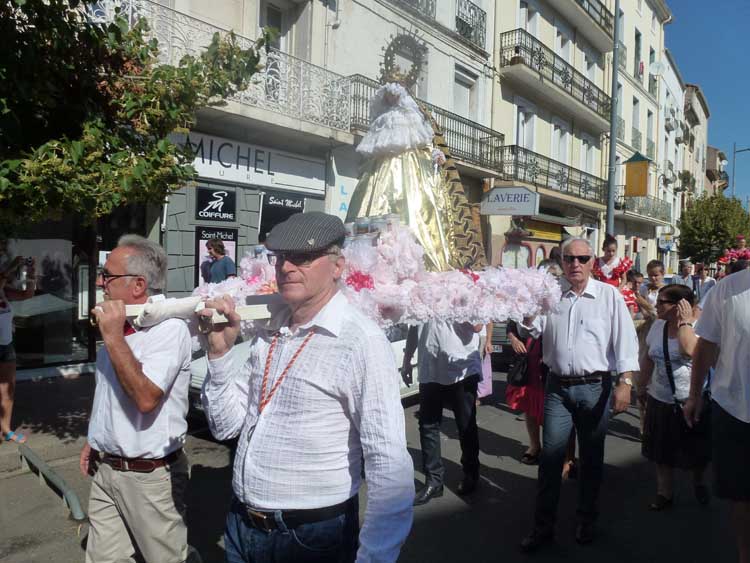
(696, 113)
(552, 104)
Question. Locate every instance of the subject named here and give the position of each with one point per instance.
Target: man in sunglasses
(138, 421)
(318, 395)
(588, 338)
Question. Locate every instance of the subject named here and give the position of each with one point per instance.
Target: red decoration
(734, 255)
(360, 281)
(471, 274)
(615, 278)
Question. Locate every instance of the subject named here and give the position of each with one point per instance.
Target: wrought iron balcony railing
(646, 206)
(471, 22)
(469, 141)
(650, 149)
(622, 60)
(286, 85)
(423, 7)
(520, 47)
(620, 127)
(527, 166)
(600, 14)
(635, 139)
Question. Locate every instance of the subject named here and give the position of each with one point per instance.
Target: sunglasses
(665, 302)
(570, 258)
(296, 258)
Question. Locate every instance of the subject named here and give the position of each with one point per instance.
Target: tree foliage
(86, 109)
(710, 225)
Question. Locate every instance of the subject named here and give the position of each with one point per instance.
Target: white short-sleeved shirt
(659, 387)
(448, 352)
(117, 427)
(725, 321)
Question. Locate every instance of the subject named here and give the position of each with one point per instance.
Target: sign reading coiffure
(234, 161)
(215, 204)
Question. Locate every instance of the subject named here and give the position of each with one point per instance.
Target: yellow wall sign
(636, 176)
(543, 230)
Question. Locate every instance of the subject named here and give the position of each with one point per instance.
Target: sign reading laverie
(512, 200)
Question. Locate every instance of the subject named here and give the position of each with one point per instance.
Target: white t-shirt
(117, 427)
(448, 352)
(659, 387)
(725, 321)
(651, 295)
(6, 320)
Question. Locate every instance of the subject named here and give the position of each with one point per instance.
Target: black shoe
(585, 533)
(427, 493)
(467, 485)
(536, 539)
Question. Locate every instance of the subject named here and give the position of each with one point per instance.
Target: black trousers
(461, 398)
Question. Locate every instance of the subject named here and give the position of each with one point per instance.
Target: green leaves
(90, 133)
(709, 226)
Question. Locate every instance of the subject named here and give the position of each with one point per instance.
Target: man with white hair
(138, 426)
(589, 336)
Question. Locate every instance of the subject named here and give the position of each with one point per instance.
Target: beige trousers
(133, 512)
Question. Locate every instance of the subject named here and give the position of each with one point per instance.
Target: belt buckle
(257, 517)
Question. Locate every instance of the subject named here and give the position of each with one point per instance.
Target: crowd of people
(316, 408)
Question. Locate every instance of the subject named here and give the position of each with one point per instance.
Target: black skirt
(667, 441)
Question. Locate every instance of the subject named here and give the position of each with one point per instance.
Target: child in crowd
(655, 272)
(630, 290)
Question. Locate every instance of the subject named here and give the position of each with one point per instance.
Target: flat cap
(306, 232)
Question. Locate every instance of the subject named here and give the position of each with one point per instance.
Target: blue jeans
(335, 540)
(586, 406)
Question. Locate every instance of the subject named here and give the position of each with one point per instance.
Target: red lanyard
(263, 399)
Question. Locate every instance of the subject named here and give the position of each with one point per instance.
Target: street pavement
(485, 527)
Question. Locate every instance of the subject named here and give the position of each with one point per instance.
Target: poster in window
(202, 258)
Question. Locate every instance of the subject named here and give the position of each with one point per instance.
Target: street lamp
(734, 158)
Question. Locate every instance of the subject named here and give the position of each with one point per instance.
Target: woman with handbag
(665, 370)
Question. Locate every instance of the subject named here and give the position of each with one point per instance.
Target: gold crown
(412, 48)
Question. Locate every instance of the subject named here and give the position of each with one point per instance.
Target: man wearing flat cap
(318, 394)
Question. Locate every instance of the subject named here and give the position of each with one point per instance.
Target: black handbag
(518, 373)
(705, 414)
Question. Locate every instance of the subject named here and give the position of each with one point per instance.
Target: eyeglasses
(570, 258)
(107, 277)
(665, 302)
(296, 258)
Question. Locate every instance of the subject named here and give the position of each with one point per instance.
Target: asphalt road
(485, 527)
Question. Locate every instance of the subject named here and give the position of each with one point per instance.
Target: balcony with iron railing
(424, 8)
(523, 165)
(524, 60)
(635, 139)
(646, 207)
(582, 13)
(471, 22)
(469, 142)
(650, 149)
(285, 85)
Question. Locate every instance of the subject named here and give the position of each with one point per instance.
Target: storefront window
(52, 327)
(516, 256)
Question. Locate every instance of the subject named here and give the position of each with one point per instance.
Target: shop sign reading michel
(234, 161)
(512, 200)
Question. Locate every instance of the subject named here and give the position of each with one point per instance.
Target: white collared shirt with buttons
(117, 427)
(338, 404)
(588, 333)
(725, 321)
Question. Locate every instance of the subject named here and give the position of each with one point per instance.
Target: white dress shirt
(588, 333)
(339, 404)
(117, 426)
(448, 352)
(725, 321)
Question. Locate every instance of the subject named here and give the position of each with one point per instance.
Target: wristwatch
(691, 325)
(626, 381)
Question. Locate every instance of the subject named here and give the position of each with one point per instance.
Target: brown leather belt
(573, 380)
(266, 520)
(139, 465)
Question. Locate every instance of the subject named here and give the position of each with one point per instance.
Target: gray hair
(149, 261)
(567, 242)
